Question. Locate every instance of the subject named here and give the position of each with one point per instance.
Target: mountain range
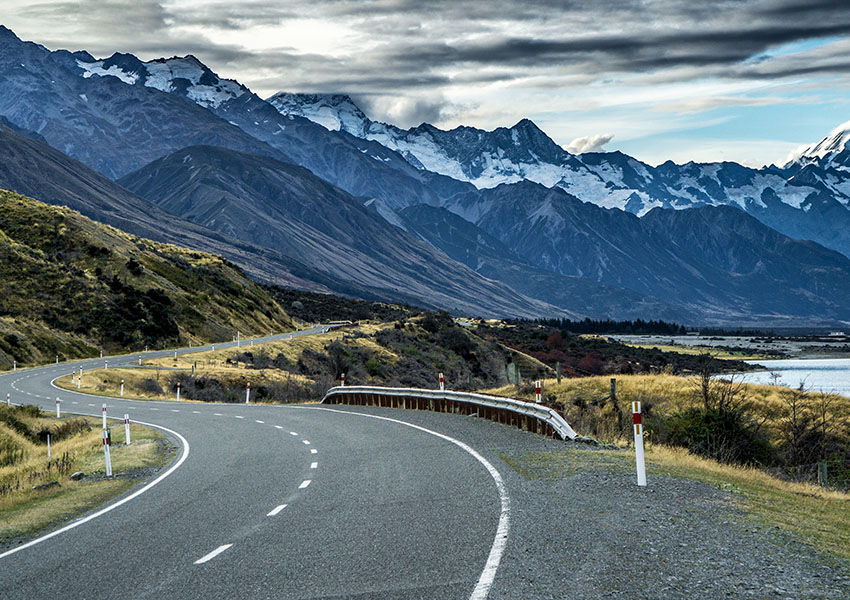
(305, 190)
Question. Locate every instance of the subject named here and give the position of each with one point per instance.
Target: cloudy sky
(743, 80)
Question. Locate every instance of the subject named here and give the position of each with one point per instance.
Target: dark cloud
(425, 47)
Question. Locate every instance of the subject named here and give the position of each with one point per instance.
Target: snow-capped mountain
(333, 111)
(184, 75)
(809, 203)
(831, 152)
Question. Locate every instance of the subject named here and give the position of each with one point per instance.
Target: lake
(817, 374)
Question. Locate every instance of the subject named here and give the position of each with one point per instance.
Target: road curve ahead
(274, 502)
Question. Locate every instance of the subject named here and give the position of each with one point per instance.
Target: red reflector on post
(637, 418)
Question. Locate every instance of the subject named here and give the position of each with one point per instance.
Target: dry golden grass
(107, 382)
(721, 353)
(668, 393)
(814, 515)
(24, 510)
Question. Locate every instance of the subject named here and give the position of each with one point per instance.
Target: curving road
(275, 502)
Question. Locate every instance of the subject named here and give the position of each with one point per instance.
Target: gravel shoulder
(581, 528)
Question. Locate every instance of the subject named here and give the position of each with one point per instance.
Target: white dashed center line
(305, 483)
(306, 442)
(290, 433)
(239, 417)
(196, 412)
(216, 414)
(314, 465)
(213, 554)
(278, 427)
(258, 421)
(276, 510)
(313, 451)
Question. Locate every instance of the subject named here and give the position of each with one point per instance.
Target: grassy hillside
(69, 286)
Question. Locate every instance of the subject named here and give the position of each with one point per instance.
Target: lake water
(817, 374)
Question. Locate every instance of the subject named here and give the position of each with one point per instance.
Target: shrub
(725, 435)
(149, 386)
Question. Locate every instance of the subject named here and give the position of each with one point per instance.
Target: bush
(149, 386)
(725, 435)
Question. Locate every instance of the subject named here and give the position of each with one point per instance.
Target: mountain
(69, 286)
(809, 204)
(718, 263)
(361, 167)
(831, 151)
(33, 168)
(110, 126)
(287, 208)
(469, 244)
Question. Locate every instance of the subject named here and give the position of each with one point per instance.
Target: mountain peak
(332, 111)
(832, 144)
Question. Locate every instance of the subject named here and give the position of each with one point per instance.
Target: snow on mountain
(184, 75)
(831, 145)
(333, 111)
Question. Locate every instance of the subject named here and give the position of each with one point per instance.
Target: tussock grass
(107, 382)
(24, 510)
(663, 394)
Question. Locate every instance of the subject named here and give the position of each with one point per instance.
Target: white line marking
(174, 410)
(213, 554)
(103, 511)
(239, 417)
(482, 588)
(151, 408)
(258, 421)
(196, 412)
(292, 433)
(306, 442)
(278, 427)
(276, 510)
(74, 402)
(314, 465)
(216, 414)
(305, 483)
(313, 451)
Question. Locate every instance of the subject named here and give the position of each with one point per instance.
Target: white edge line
(276, 510)
(213, 554)
(305, 483)
(103, 511)
(485, 581)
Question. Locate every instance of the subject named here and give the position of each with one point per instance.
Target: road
(271, 501)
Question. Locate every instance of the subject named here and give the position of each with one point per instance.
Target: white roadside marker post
(103, 412)
(537, 391)
(442, 383)
(140, 361)
(178, 392)
(106, 365)
(106, 455)
(8, 399)
(248, 393)
(57, 359)
(58, 412)
(122, 388)
(640, 465)
(342, 380)
(238, 338)
(48, 445)
(127, 429)
(14, 365)
(175, 355)
(101, 353)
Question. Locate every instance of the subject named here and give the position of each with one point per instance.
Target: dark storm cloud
(413, 44)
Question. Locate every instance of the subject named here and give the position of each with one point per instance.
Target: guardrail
(524, 415)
